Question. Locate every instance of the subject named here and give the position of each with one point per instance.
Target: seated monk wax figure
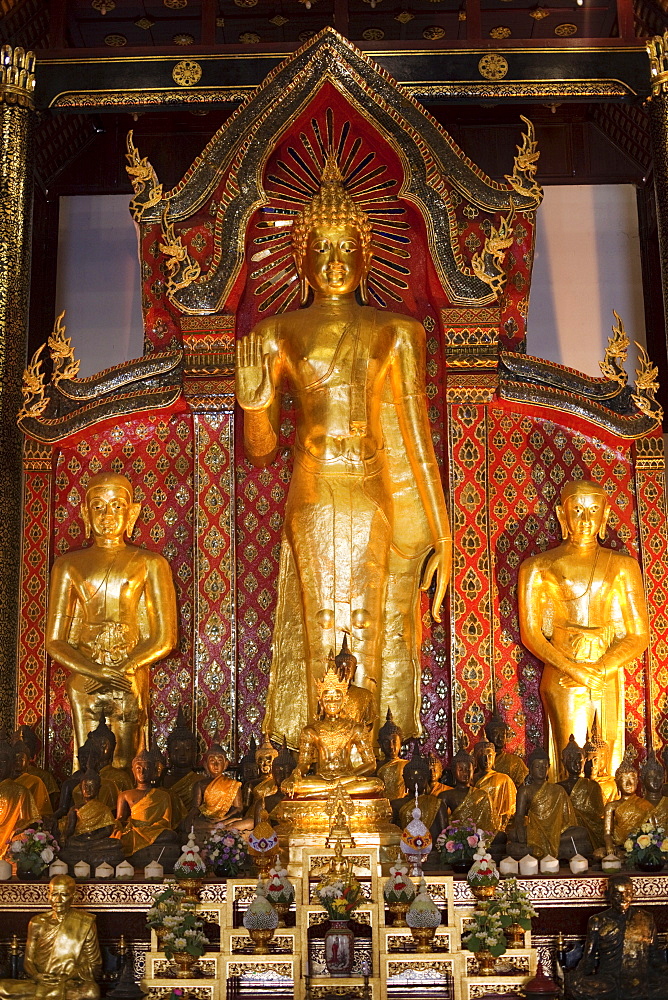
(181, 776)
(436, 786)
(499, 733)
(27, 735)
(545, 819)
(622, 958)
(105, 740)
(329, 743)
(433, 810)
(88, 828)
(17, 806)
(144, 813)
(585, 793)
(466, 802)
(62, 956)
(500, 787)
(627, 813)
(391, 768)
(360, 703)
(32, 782)
(216, 797)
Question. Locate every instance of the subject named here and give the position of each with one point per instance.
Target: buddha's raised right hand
(254, 387)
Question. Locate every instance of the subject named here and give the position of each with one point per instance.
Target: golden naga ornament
(366, 504)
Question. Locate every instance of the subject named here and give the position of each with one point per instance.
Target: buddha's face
(334, 262)
(216, 764)
(627, 782)
(539, 768)
(105, 751)
(485, 759)
(142, 771)
(109, 509)
(497, 736)
(653, 780)
(435, 769)
(264, 762)
(463, 772)
(331, 702)
(621, 895)
(61, 895)
(89, 788)
(583, 514)
(573, 763)
(182, 753)
(20, 761)
(391, 746)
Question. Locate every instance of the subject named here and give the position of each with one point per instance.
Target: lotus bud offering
(190, 863)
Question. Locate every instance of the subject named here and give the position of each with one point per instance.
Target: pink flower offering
(472, 841)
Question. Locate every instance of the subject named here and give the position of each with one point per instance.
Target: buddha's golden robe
(587, 800)
(37, 789)
(392, 775)
(428, 805)
(503, 793)
(477, 806)
(17, 810)
(181, 794)
(52, 786)
(219, 795)
(660, 813)
(108, 794)
(628, 816)
(360, 706)
(62, 959)
(92, 816)
(118, 777)
(550, 813)
(149, 817)
(512, 765)
(437, 788)
(608, 788)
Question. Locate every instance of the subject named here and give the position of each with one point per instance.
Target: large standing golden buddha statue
(366, 503)
(583, 613)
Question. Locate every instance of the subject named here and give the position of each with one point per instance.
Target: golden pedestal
(304, 823)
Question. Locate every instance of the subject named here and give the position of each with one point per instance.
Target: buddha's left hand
(439, 563)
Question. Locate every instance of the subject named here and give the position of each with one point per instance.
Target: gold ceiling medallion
(183, 39)
(501, 31)
(373, 34)
(433, 33)
(187, 73)
(493, 66)
(175, 4)
(104, 6)
(404, 17)
(249, 38)
(115, 41)
(291, 183)
(566, 30)
(539, 13)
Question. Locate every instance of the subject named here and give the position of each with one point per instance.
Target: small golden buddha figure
(62, 958)
(464, 801)
(596, 753)
(652, 776)
(70, 792)
(500, 787)
(32, 782)
(436, 786)
(17, 806)
(181, 777)
(582, 612)
(88, 828)
(28, 736)
(627, 813)
(282, 767)
(105, 740)
(586, 795)
(499, 733)
(392, 767)
(329, 743)
(542, 814)
(111, 615)
(365, 506)
(434, 812)
(216, 797)
(264, 785)
(360, 703)
(144, 814)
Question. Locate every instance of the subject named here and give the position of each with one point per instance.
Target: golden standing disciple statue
(112, 613)
(583, 613)
(62, 957)
(329, 744)
(366, 503)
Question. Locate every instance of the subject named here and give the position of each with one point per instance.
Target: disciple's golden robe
(17, 810)
(608, 787)
(360, 706)
(181, 794)
(149, 817)
(62, 959)
(118, 777)
(512, 765)
(550, 813)
(629, 815)
(219, 795)
(660, 813)
(477, 807)
(92, 816)
(108, 794)
(392, 776)
(50, 782)
(587, 800)
(428, 805)
(37, 789)
(502, 792)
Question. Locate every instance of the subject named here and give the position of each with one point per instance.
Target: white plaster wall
(98, 280)
(587, 263)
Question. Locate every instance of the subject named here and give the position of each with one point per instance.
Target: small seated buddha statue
(17, 806)
(282, 767)
(105, 740)
(88, 829)
(70, 791)
(500, 787)
(263, 784)
(181, 776)
(627, 813)
(652, 776)
(360, 705)
(391, 768)
(433, 811)
(27, 735)
(596, 750)
(32, 782)
(436, 786)
(499, 733)
(144, 822)
(216, 797)
(329, 743)
(463, 800)
(586, 795)
(545, 819)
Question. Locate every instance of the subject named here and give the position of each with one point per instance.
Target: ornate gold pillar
(17, 83)
(657, 49)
